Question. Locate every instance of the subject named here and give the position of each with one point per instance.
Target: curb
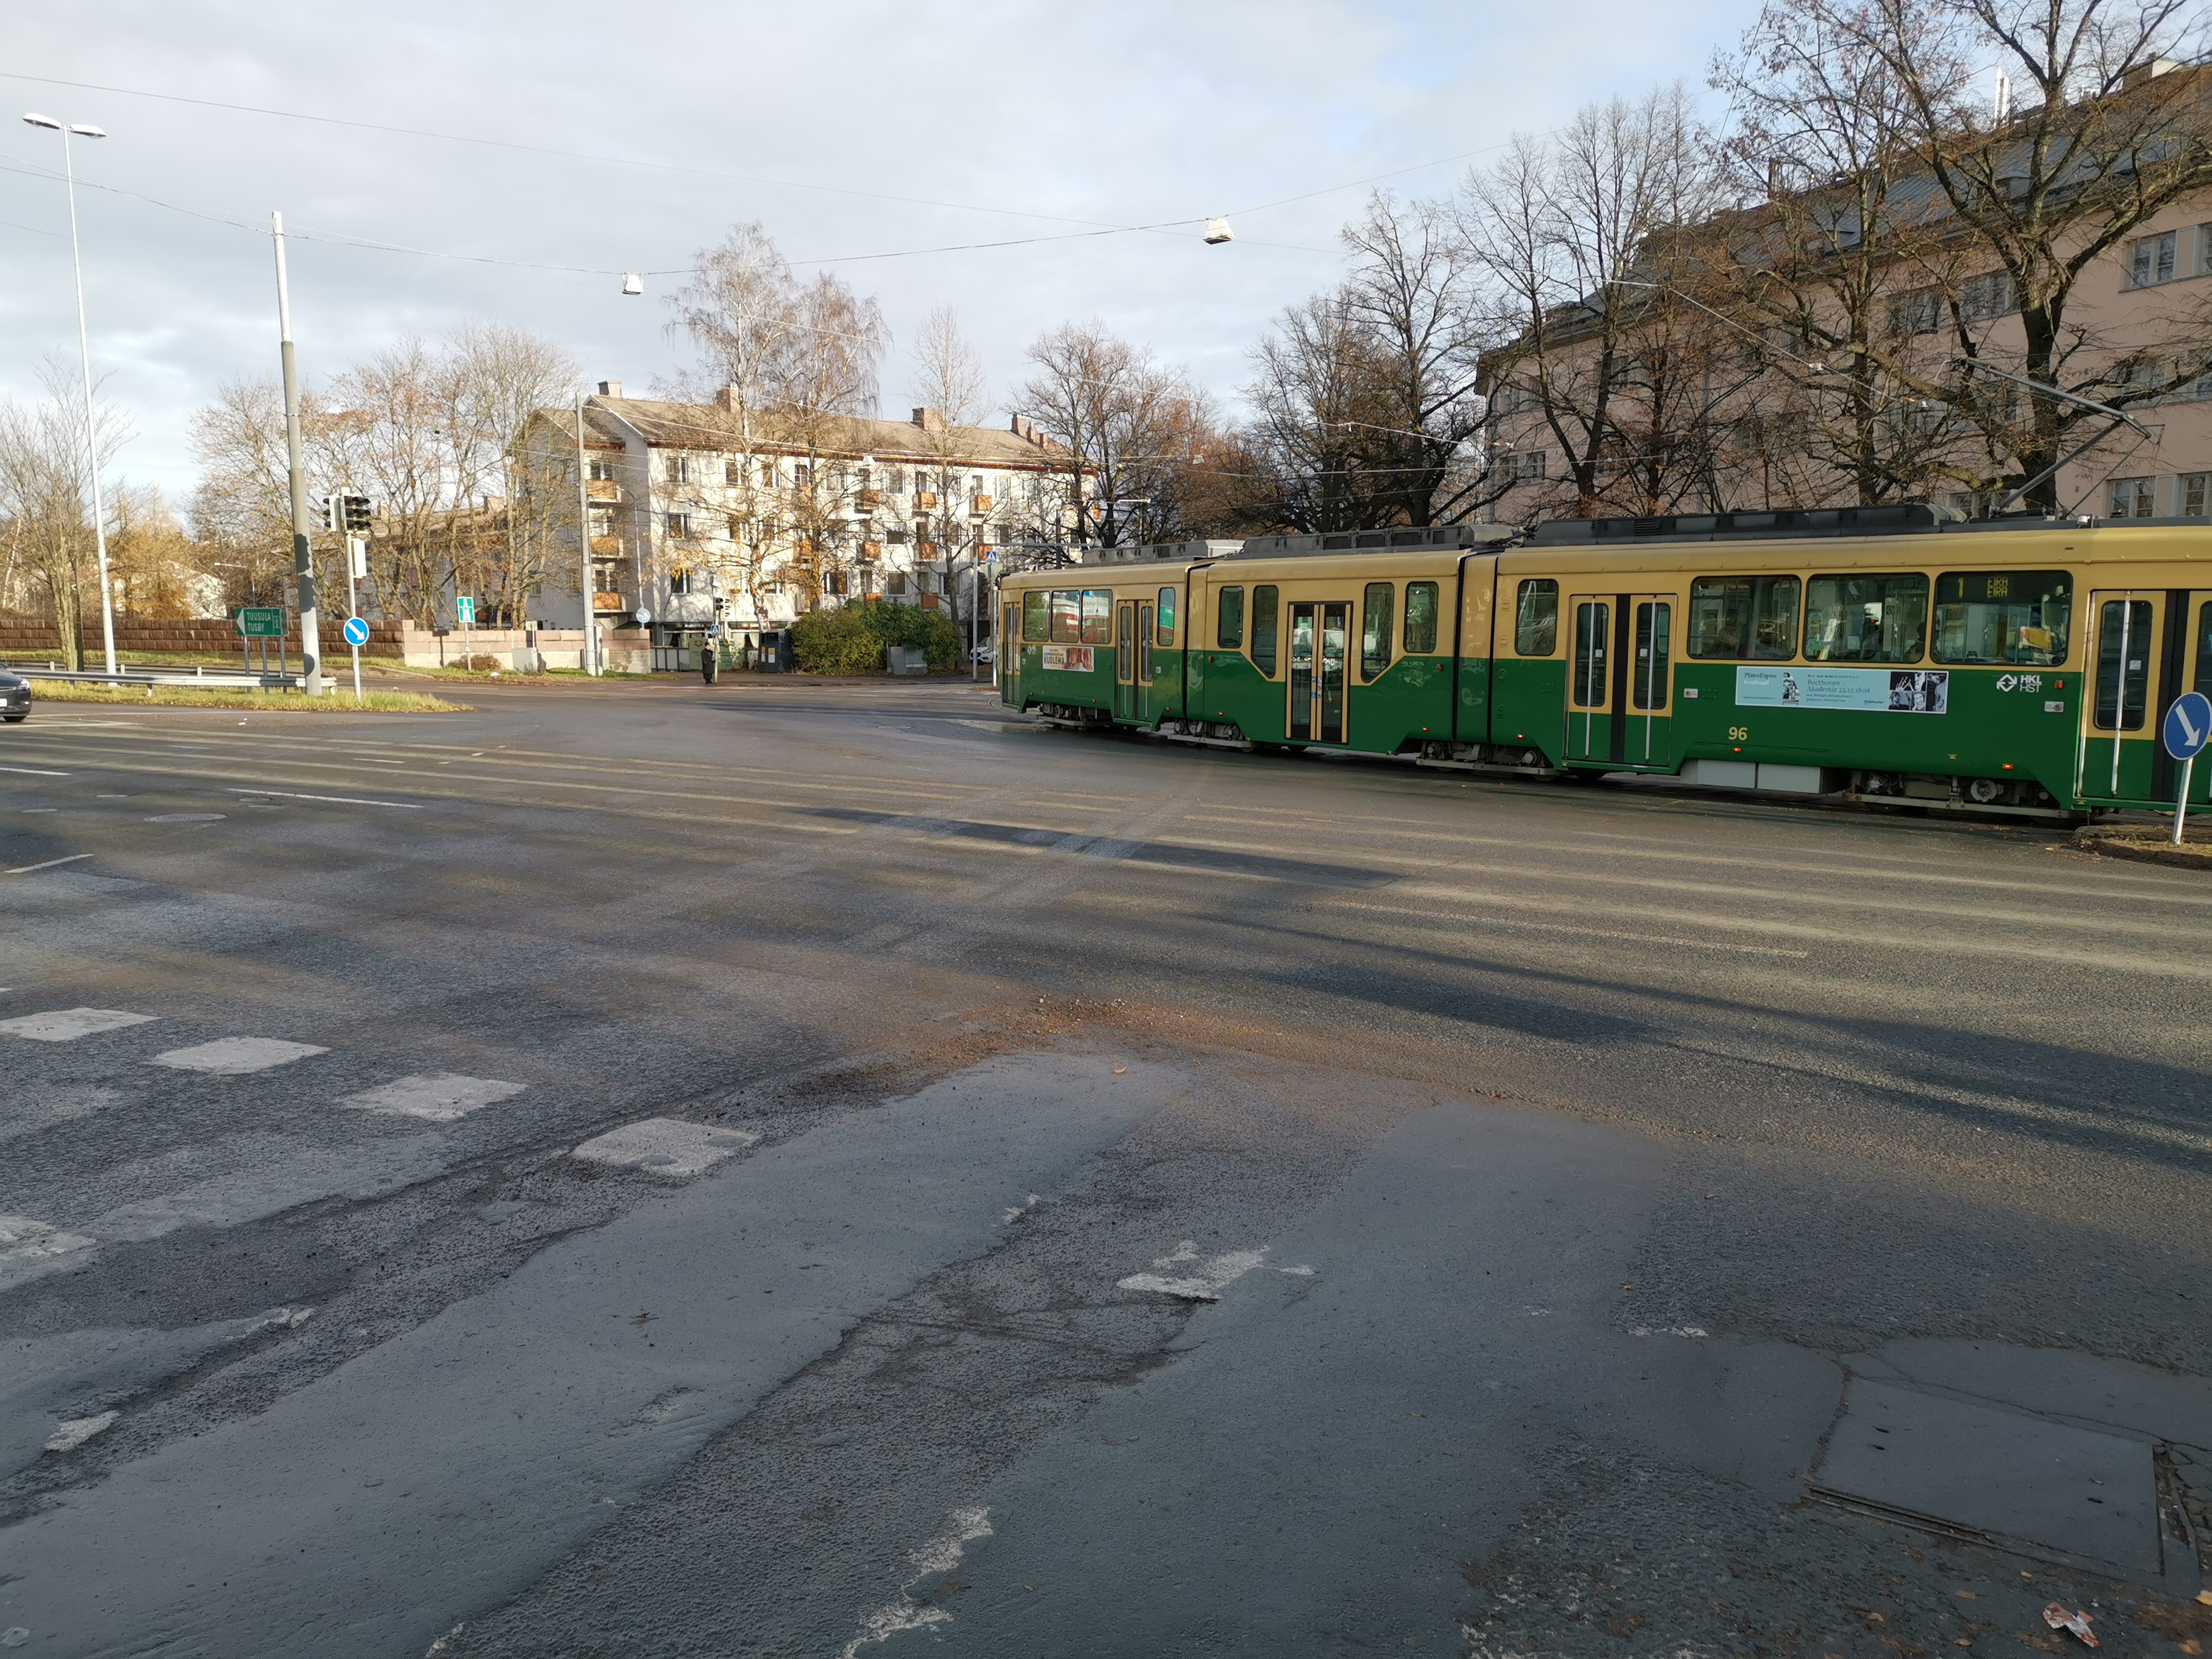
(2145, 854)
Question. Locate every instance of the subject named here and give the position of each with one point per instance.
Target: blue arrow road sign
(2188, 724)
(356, 631)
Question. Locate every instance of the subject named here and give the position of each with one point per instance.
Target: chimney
(929, 420)
(727, 400)
(610, 388)
(2136, 73)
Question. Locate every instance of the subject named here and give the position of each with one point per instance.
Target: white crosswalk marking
(666, 1146)
(440, 1098)
(67, 1024)
(233, 1056)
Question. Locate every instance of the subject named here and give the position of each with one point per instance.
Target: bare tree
(1130, 428)
(1585, 236)
(43, 515)
(242, 509)
(2105, 132)
(494, 377)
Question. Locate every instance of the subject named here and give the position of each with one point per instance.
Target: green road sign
(261, 622)
(467, 608)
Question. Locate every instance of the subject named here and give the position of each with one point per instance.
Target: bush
(853, 639)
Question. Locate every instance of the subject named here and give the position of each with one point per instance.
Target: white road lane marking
(28, 1246)
(1199, 1282)
(666, 1146)
(67, 1024)
(75, 1431)
(342, 800)
(234, 1056)
(938, 1555)
(1565, 928)
(187, 817)
(26, 869)
(36, 772)
(441, 1097)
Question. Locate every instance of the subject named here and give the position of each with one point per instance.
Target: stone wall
(526, 650)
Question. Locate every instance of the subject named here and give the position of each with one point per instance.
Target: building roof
(706, 425)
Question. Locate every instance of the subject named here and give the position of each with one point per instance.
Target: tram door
(1008, 663)
(2119, 749)
(1124, 660)
(1320, 638)
(2197, 641)
(1648, 739)
(1590, 676)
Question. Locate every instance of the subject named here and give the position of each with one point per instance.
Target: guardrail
(196, 678)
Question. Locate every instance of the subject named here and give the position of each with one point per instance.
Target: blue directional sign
(356, 631)
(2188, 724)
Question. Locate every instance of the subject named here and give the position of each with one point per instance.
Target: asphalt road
(808, 1169)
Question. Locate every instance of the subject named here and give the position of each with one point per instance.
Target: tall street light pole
(84, 354)
(303, 555)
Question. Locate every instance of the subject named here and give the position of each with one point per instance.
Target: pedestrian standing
(710, 653)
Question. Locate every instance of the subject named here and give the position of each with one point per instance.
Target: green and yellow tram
(2012, 665)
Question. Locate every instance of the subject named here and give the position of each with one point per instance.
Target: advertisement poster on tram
(1874, 690)
(1069, 658)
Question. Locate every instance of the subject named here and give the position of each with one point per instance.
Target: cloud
(1132, 114)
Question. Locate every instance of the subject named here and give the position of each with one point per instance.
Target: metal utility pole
(303, 553)
(84, 354)
(584, 542)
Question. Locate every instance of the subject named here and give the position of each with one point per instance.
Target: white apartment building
(701, 513)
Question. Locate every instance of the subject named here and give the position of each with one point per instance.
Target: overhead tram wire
(1094, 227)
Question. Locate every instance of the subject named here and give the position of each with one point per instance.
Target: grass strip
(289, 702)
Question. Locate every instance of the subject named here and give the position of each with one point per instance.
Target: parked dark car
(15, 697)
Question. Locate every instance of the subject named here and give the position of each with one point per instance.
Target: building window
(679, 468)
(895, 583)
(603, 521)
(895, 481)
(2196, 492)
(680, 527)
(1920, 312)
(802, 475)
(737, 529)
(733, 473)
(1988, 295)
(2131, 498)
(2151, 260)
(600, 470)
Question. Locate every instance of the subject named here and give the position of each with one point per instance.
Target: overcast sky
(846, 129)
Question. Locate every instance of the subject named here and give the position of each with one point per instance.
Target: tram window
(1750, 618)
(1536, 619)
(2117, 619)
(1164, 619)
(2204, 680)
(1866, 618)
(1420, 619)
(1377, 613)
(1263, 629)
(1098, 616)
(1067, 615)
(1593, 626)
(1229, 619)
(2003, 616)
(1036, 617)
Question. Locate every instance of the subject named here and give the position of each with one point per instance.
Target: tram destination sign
(261, 622)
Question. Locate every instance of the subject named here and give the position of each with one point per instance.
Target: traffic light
(348, 514)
